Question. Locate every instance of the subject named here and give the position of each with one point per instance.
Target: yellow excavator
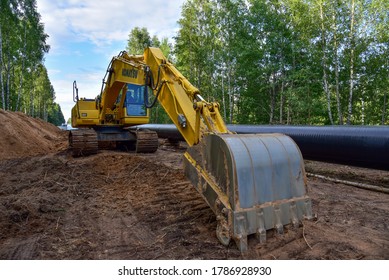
(120, 105)
(252, 182)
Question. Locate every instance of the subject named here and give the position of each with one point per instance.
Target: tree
(24, 83)
(55, 115)
(138, 40)
(289, 61)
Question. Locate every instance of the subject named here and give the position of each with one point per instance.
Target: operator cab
(134, 102)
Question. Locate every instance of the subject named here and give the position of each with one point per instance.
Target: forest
(291, 62)
(24, 82)
(321, 62)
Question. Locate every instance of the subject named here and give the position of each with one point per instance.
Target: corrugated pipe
(364, 146)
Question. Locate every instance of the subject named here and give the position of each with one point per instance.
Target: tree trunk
(282, 87)
(324, 64)
(32, 100)
(223, 98)
(12, 102)
(350, 99)
(288, 118)
(22, 70)
(384, 109)
(45, 112)
(230, 97)
(32, 93)
(272, 102)
(363, 108)
(336, 66)
(309, 107)
(1, 70)
(281, 100)
(8, 85)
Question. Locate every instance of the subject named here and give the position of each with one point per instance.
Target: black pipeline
(364, 146)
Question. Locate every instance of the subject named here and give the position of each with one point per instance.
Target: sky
(84, 35)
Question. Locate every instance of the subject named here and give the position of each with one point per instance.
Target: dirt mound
(23, 136)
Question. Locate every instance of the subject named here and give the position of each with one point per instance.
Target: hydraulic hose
(150, 82)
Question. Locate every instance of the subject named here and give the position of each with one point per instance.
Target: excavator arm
(192, 115)
(122, 71)
(253, 183)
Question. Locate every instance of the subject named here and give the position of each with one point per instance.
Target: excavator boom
(252, 182)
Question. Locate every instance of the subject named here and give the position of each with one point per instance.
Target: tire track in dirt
(146, 210)
(176, 213)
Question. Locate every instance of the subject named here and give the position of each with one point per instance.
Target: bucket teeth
(261, 231)
(259, 181)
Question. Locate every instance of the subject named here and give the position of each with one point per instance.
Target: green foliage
(55, 115)
(24, 83)
(138, 40)
(290, 61)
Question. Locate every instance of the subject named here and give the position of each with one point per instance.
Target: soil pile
(23, 136)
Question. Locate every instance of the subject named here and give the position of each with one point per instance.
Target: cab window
(134, 102)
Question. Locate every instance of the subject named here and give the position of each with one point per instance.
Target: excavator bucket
(253, 183)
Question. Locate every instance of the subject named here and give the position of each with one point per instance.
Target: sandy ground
(117, 205)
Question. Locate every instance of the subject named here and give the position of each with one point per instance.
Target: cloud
(102, 22)
(85, 34)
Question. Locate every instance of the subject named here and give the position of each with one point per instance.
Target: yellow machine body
(252, 182)
(120, 105)
(112, 107)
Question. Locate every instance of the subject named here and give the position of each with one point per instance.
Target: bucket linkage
(252, 182)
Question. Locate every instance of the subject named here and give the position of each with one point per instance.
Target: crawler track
(83, 142)
(146, 141)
